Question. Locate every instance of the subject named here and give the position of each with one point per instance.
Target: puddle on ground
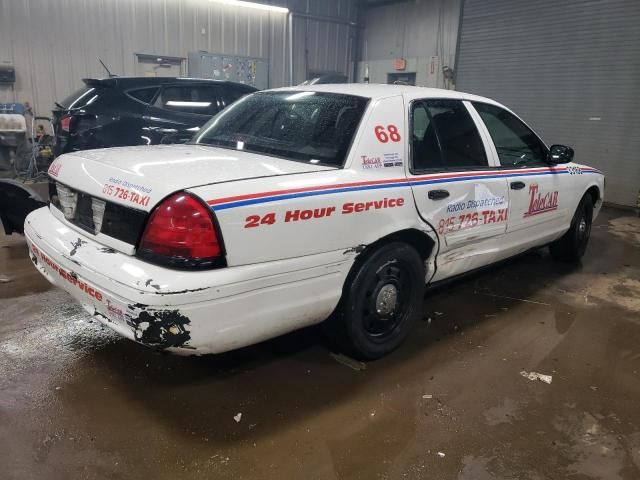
(596, 451)
(627, 228)
(619, 288)
(506, 412)
(42, 336)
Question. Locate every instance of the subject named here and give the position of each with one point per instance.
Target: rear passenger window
(145, 95)
(198, 99)
(445, 136)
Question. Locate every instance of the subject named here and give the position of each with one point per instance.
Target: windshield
(309, 127)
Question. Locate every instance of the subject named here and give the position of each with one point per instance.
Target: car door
(453, 185)
(539, 193)
(179, 111)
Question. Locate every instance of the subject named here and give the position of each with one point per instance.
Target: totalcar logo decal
(541, 203)
(275, 196)
(370, 162)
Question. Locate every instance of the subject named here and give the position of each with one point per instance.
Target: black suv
(123, 111)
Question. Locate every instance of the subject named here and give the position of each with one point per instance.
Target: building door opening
(405, 78)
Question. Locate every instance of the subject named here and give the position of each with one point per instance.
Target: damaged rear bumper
(165, 328)
(185, 312)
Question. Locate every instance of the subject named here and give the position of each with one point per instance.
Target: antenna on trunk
(111, 75)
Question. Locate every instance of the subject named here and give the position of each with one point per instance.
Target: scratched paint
(159, 328)
(76, 245)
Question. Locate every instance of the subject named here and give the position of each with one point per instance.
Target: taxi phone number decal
(125, 194)
(469, 220)
(348, 208)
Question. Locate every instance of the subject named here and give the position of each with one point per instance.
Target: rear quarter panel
(304, 214)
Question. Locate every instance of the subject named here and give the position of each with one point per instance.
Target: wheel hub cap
(582, 226)
(386, 300)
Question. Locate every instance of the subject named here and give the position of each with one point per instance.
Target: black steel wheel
(386, 300)
(381, 300)
(572, 245)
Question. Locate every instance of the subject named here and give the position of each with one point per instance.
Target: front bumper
(185, 312)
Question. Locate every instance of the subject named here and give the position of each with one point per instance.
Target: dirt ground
(77, 401)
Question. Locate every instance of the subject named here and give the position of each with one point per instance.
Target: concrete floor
(76, 401)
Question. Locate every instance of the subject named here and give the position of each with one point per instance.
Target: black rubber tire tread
(570, 247)
(344, 328)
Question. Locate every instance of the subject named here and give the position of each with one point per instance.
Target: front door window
(516, 144)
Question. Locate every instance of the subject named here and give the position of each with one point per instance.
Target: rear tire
(572, 245)
(381, 300)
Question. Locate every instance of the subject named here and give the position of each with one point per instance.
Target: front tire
(380, 302)
(572, 245)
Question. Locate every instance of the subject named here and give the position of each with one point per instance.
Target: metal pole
(290, 49)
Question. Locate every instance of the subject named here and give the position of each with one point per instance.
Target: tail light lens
(65, 123)
(181, 233)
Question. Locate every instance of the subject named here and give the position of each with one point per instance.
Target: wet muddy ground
(76, 401)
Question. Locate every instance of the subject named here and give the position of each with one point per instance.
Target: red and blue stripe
(438, 178)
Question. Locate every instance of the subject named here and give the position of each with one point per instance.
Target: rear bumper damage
(149, 325)
(185, 312)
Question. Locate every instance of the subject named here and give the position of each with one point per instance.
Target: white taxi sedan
(297, 205)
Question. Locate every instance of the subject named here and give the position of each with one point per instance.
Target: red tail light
(181, 233)
(65, 123)
(78, 123)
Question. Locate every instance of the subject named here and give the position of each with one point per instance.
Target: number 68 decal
(391, 133)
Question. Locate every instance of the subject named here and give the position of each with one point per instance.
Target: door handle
(517, 185)
(438, 194)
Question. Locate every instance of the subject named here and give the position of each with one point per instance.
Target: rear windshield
(83, 97)
(309, 127)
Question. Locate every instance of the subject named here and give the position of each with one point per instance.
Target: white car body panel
(156, 171)
(221, 307)
(288, 272)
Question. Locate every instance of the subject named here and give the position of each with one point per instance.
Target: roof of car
(379, 90)
(129, 82)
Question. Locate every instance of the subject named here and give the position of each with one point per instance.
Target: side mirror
(560, 154)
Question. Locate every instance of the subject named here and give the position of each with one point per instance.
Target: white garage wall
(416, 31)
(54, 44)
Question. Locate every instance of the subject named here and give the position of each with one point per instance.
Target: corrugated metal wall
(412, 29)
(571, 69)
(54, 44)
(415, 31)
(323, 46)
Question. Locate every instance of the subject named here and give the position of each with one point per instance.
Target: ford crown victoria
(299, 205)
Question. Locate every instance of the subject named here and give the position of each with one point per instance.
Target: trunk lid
(140, 177)
(109, 192)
